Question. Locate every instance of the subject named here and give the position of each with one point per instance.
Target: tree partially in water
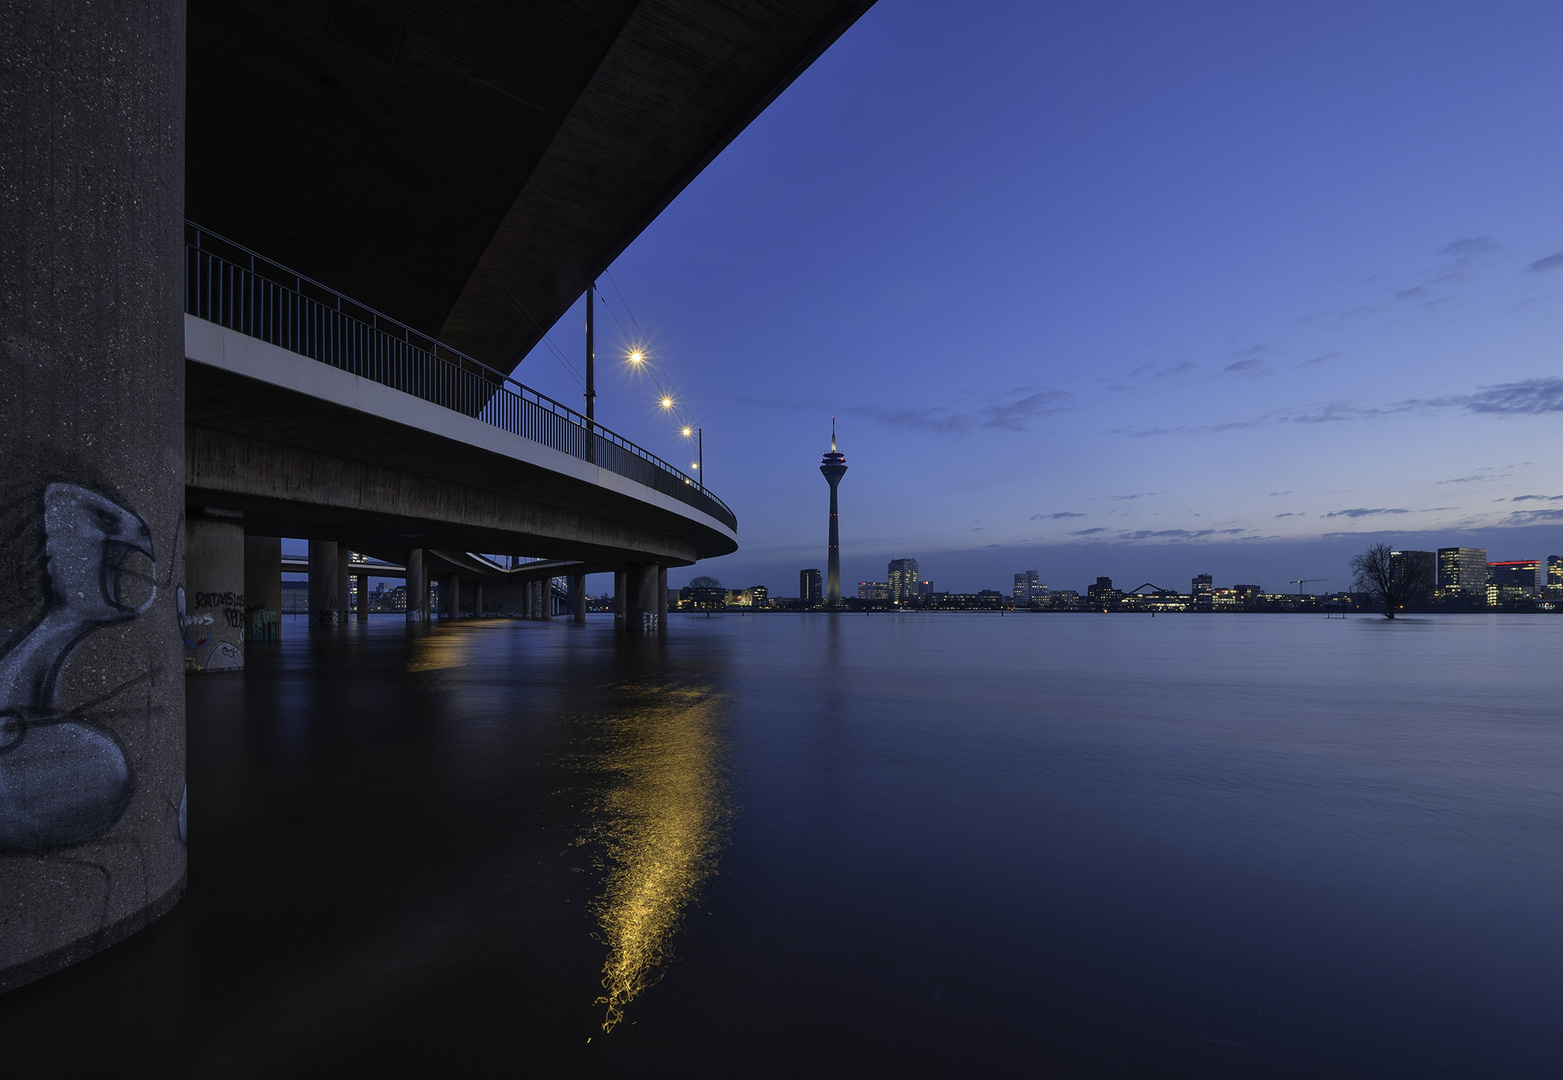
(1393, 578)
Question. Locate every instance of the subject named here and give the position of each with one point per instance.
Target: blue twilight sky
(1143, 290)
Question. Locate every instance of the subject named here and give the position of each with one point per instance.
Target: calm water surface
(811, 845)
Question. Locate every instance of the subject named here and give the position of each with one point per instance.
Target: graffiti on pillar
(63, 778)
(212, 628)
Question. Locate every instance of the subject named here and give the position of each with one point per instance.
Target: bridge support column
(620, 618)
(263, 588)
(453, 600)
(545, 598)
(213, 606)
(662, 597)
(640, 583)
(415, 584)
(92, 437)
(578, 597)
(323, 592)
(477, 599)
(526, 599)
(344, 584)
(363, 597)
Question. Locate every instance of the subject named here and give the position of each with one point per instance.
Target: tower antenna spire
(832, 434)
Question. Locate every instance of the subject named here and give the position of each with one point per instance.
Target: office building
(1462, 572)
(1202, 593)
(811, 587)
(1026, 588)
(1515, 579)
(1417, 569)
(903, 580)
(873, 590)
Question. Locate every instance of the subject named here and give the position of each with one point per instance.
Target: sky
(1137, 290)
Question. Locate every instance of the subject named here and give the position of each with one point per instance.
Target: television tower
(834, 466)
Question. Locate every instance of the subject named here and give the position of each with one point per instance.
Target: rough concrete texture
(212, 610)
(263, 587)
(92, 778)
(324, 594)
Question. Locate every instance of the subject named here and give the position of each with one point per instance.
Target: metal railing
(230, 285)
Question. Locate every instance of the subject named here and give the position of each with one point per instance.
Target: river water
(953, 844)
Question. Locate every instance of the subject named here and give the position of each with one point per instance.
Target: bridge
(270, 269)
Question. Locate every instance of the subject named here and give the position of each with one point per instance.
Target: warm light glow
(694, 464)
(636, 356)
(667, 403)
(687, 433)
(659, 823)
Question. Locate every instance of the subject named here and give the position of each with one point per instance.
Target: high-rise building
(833, 466)
(1463, 572)
(1419, 569)
(811, 589)
(1202, 593)
(1554, 577)
(1520, 577)
(1026, 586)
(873, 590)
(925, 588)
(1103, 593)
(903, 580)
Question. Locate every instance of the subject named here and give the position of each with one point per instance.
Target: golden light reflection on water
(445, 648)
(661, 821)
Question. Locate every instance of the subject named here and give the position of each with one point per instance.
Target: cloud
(1167, 534)
(1531, 517)
(1012, 415)
(1530, 396)
(1470, 247)
(1551, 262)
(1527, 397)
(1175, 370)
(1089, 532)
(1292, 513)
(1362, 511)
(1136, 495)
(1326, 358)
(1466, 480)
(1537, 498)
(1060, 516)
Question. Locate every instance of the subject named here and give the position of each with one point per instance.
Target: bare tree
(1394, 578)
(704, 581)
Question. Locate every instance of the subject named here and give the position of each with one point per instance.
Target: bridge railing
(234, 287)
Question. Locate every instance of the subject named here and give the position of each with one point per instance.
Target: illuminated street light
(667, 402)
(687, 432)
(637, 357)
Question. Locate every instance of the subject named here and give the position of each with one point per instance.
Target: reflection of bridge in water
(395, 203)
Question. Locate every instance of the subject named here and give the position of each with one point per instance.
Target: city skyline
(1132, 279)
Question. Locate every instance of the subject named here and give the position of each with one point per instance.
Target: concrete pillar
(414, 584)
(363, 597)
(477, 599)
(578, 596)
(636, 596)
(92, 439)
(426, 593)
(453, 599)
(211, 609)
(545, 598)
(662, 597)
(619, 577)
(263, 588)
(526, 599)
(344, 584)
(323, 577)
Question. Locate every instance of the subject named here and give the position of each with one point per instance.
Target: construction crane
(1300, 582)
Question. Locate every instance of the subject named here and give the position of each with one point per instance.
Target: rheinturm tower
(834, 466)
